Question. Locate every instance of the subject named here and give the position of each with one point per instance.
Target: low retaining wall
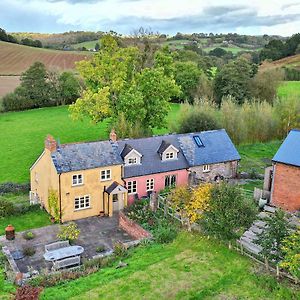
(132, 228)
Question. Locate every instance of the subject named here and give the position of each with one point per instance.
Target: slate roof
(127, 149)
(151, 160)
(217, 147)
(289, 151)
(163, 146)
(81, 156)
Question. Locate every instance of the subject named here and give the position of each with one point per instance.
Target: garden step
(260, 224)
(264, 215)
(249, 234)
(255, 229)
(269, 208)
(253, 248)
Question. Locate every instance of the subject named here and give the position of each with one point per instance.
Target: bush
(6, 208)
(69, 232)
(28, 235)
(28, 251)
(165, 233)
(10, 187)
(196, 121)
(120, 250)
(229, 212)
(28, 292)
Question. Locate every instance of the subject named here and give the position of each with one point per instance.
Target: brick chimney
(113, 135)
(50, 143)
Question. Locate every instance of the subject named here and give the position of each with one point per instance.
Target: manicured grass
(22, 135)
(250, 185)
(257, 156)
(29, 220)
(289, 88)
(193, 267)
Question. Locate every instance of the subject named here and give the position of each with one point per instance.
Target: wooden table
(62, 253)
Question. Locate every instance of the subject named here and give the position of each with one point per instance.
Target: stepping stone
(269, 208)
(260, 224)
(263, 215)
(255, 229)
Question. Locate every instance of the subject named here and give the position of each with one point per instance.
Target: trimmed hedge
(10, 187)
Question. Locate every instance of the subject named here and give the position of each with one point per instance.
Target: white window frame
(130, 187)
(105, 173)
(132, 161)
(170, 155)
(206, 168)
(78, 182)
(82, 202)
(170, 177)
(150, 184)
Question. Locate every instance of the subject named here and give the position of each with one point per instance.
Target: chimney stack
(113, 135)
(50, 143)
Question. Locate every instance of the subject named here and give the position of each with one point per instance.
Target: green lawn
(26, 221)
(87, 45)
(257, 156)
(289, 88)
(22, 136)
(193, 267)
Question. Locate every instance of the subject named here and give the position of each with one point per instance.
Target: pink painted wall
(159, 182)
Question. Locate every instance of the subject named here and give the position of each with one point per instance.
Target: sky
(255, 17)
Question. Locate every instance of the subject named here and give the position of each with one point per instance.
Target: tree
(219, 52)
(69, 88)
(234, 80)
(97, 46)
(187, 76)
(115, 83)
(229, 212)
(271, 238)
(291, 253)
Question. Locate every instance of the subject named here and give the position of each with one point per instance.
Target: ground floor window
(131, 187)
(206, 168)
(82, 202)
(170, 180)
(150, 184)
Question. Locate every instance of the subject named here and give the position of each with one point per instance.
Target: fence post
(277, 271)
(267, 264)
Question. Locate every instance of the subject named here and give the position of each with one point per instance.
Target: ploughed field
(16, 59)
(8, 84)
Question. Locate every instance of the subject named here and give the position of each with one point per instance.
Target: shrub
(291, 253)
(28, 251)
(165, 233)
(6, 208)
(272, 237)
(10, 187)
(229, 212)
(120, 250)
(100, 249)
(28, 235)
(28, 292)
(69, 232)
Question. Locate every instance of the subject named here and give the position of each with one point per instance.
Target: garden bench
(67, 262)
(56, 245)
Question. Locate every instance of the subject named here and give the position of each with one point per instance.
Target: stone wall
(227, 170)
(286, 187)
(132, 228)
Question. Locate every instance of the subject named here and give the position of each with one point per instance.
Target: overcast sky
(255, 17)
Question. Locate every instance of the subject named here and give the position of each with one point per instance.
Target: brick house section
(132, 228)
(286, 187)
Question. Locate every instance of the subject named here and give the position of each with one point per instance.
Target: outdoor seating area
(48, 253)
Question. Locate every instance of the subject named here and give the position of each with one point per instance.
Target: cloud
(289, 5)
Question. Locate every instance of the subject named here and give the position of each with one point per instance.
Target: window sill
(135, 193)
(206, 171)
(103, 180)
(80, 184)
(79, 209)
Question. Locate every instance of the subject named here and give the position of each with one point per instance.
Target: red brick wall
(286, 187)
(132, 228)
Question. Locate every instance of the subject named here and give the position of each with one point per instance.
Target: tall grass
(254, 121)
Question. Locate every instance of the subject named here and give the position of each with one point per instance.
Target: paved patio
(95, 231)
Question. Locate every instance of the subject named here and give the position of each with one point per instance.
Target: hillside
(15, 58)
(288, 62)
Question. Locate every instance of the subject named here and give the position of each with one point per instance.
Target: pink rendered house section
(159, 182)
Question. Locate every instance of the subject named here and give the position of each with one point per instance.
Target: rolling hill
(288, 62)
(15, 58)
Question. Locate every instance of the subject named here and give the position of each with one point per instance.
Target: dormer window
(170, 155)
(131, 156)
(132, 161)
(167, 151)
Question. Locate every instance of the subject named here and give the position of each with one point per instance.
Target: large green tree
(116, 83)
(234, 80)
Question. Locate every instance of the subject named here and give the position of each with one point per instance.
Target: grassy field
(87, 45)
(15, 58)
(192, 267)
(289, 88)
(23, 134)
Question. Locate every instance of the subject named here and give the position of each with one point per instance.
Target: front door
(118, 201)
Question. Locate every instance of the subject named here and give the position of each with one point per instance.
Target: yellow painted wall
(43, 176)
(92, 186)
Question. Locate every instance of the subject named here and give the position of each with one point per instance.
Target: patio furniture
(67, 262)
(62, 253)
(57, 245)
